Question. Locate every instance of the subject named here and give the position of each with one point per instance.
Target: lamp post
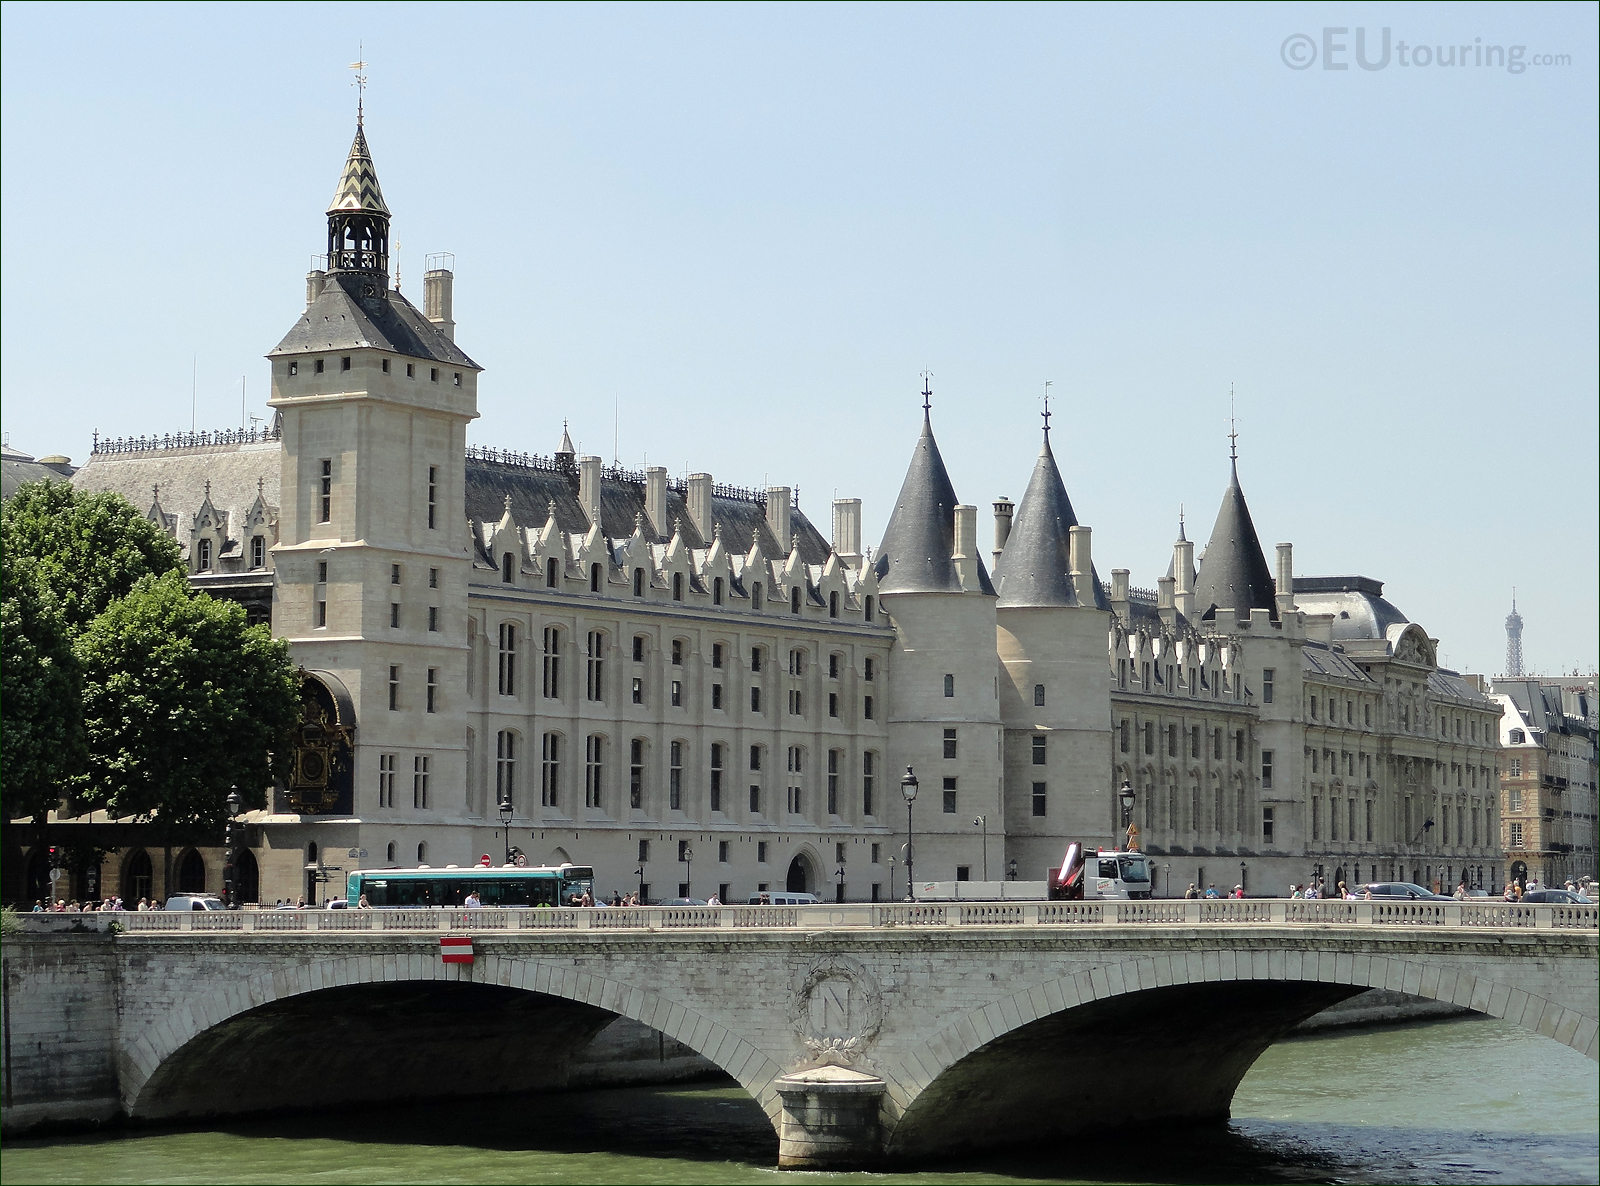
(891, 878)
(908, 788)
(982, 822)
(1011, 869)
(639, 873)
(229, 874)
(1166, 880)
(840, 875)
(1125, 796)
(1242, 882)
(688, 871)
(505, 825)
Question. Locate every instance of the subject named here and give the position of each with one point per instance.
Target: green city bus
(508, 885)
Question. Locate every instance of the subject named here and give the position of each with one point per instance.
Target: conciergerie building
(688, 685)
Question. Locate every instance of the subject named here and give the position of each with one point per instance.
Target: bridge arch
(144, 1058)
(1215, 1011)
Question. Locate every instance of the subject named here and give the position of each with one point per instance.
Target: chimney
(965, 551)
(700, 504)
(315, 279)
(847, 530)
(438, 294)
(1003, 508)
(655, 499)
(1285, 598)
(589, 487)
(1119, 593)
(1081, 565)
(778, 516)
(1183, 567)
(1164, 602)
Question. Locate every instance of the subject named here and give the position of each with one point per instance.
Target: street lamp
(505, 824)
(1125, 796)
(1011, 869)
(891, 878)
(229, 873)
(639, 873)
(840, 876)
(688, 871)
(1242, 882)
(983, 822)
(908, 788)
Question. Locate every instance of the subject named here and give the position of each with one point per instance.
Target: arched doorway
(191, 873)
(138, 878)
(802, 877)
(38, 876)
(246, 877)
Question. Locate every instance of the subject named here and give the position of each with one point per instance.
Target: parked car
(1554, 895)
(195, 902)
(1401, 891)
(684, 902)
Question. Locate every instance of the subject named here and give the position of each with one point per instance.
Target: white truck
(1123, 876)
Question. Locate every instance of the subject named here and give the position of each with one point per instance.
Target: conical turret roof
(358, 187)
(1233, 572)
(916, 553)
(1035, 567)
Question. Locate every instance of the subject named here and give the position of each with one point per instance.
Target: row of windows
(203, 550)
(388, 773)
(595, 761)
(1174, 739)
(325, 493)
(1314, 706)
(1198, 678)
(320, 365)
(432, 692)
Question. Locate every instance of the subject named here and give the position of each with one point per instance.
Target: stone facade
(688, 686)
(1548, 778)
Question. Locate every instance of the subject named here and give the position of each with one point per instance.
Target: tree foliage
(181, 701)
(87, 549)
(41, 739)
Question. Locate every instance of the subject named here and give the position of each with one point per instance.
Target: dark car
(1401, 891)
(1554, 895)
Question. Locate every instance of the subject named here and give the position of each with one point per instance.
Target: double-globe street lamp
(505, 824)
(230, 895)
(908, 788)
(1125, 796)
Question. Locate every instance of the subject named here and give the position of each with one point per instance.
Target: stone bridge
(864, 1031)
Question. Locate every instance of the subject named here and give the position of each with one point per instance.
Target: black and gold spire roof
(358, 187)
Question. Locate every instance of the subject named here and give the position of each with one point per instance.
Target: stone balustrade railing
(1273, 912)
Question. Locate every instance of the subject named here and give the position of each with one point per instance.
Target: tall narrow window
(433, 689)
(325, 492)
(717, 751)
(638, 582)
(552, 662)
(421, 769)
(594, 761)
(833, 781)
(508, 568)
(949, 685)
(675, 777)
(552, 572)
(433, 496)
(258, 552)
(1268, 675)
(949, 743)
(1267, 825)
(386, 780)
(1038, 695)
(595, 671)
(1266, 770)
(508, 659)
(505, 767)
(550, 771)
(394, 688)
(868, 780)
(636, 773)
(203, 559)
(1040, 799)
(677, 586)
(594, 578)
(1038, 751)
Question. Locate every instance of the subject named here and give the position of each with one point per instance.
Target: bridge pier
(829, 1119)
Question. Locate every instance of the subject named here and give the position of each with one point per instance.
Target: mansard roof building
(691, 687)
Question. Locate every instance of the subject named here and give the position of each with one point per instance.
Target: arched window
(552, 662)
(552, 570)
(389, 853)
(677, 586)
(138, 877)
(258, 555)
(594, 578)
(508, 659)
(507, 572)
(422, 853)
(192, 873)
(203, 559)
(505, 768)
(594, 760)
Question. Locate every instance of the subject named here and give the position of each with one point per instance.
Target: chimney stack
(1003, 510)
(965, 550)
(1164, 602)
(847, 530)
(438, 294)
(700, 504)
(1119, 593)
(315, 279)
(589, 487)
(1285, 597)
(1183, 568)
(1081, 564)
(655, 499)
(778, 516)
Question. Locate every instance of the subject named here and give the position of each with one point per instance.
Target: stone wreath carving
(838, 1008)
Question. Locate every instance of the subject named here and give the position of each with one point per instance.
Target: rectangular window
(258, 551)
(552, 663)
(636, 773)
(1216, 744)
(550, 771)
(949, 686)
(595, 668)
(833, 782)
(1516, 835)
(433, 496)
(1516, 768)
(755, 700)
(433, 690)
(722, 854)
(394, 615)
(1040, 799)
(833, 666)
(833, 704)
(1149, 733)
(1172, 741)
(949, 743)
(638, 690)
(386, 780)
(644, 851)
(1369, 821)
(797, 662)
(420, 771)
(866, 708)
(755, 658)
(638, 648)
(319, 366)
(594, 768)
(676, 691)
(716, 696)
(1194, 741)
(344, 363)
(949, 802)
(716, 655)
(508, 659)
(1038, 751)
(1038, 695)
(1238, 745)
(868, 760)
(675, 777)
(1266, 825)
(325, 491)
(1266, 770)
(505, 767)
(716, 777)
(869, 670)
(755, 799)
(1268, 674)
(394, 689)
(433, 618)
(797, 704)
(1122, 735)
(761, 852)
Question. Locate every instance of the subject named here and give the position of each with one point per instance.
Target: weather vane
(360, 67)
(1047, 383)
(927, 390)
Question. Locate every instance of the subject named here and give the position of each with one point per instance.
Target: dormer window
(294, 366)
(203, 561)
(258, 552)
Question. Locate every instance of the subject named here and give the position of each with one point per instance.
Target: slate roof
(1034, 569)
(1443, 682)
(916, 553)
(1318, 658)
(1356, 604)
(1233, 572)
(532, 487)
(341, 318)
(18, 468)
(358, 187)
(233, 472)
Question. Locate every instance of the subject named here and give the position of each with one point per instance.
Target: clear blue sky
(750, 228)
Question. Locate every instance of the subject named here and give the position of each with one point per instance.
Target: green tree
(181, 700)
(41, 731)
(87, 549)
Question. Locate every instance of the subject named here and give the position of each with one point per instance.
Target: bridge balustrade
(1487, 913)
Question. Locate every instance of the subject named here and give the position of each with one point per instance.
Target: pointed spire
(915, 555)
(566, 445)
(1233, 571)
(358, 187)
(358, 217)
(1182, 538)
(1035, 569)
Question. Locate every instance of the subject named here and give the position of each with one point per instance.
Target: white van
(195, 902)
(783, 898)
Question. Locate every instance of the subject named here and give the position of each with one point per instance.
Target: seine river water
(1464, 1101)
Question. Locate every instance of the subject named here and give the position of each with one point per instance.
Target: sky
(731, 238)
